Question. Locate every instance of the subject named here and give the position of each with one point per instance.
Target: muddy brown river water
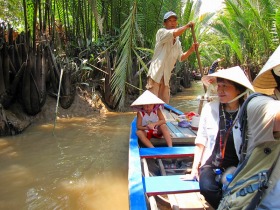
(82, 165)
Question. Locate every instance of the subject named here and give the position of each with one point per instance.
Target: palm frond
(126, 46)
(277, 26)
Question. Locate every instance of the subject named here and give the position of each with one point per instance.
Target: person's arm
(199, 148)
(181, 30)
(198, 152)
(189, 52)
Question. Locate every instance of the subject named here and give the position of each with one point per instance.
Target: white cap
(169, 14)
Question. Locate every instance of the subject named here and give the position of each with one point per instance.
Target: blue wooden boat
(142, 187)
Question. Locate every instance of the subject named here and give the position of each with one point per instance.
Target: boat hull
(138, 196)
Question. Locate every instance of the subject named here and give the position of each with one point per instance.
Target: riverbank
(15, 120)
(86, 103)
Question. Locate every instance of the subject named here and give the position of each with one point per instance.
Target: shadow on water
(84, 166)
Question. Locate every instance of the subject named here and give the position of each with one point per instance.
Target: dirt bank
(85, 104)
(15, 120)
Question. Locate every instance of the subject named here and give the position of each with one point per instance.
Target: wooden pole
(200, 105)
(198, 57)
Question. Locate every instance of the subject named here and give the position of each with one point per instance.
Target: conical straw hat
(147, 98)
(234, 74)
(265, 79)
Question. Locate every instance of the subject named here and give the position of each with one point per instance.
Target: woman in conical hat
(233, 74)
(150, 120)
(219, 138)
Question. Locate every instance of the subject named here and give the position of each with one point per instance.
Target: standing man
(168, 50)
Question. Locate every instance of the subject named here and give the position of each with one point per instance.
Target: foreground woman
(218, 138)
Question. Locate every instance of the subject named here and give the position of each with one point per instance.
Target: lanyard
(224, 133)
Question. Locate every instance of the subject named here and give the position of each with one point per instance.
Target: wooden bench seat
(167, 152)
(174, 130)
(159, 185)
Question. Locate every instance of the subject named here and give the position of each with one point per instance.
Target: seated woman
(218, 138)
(150, 120)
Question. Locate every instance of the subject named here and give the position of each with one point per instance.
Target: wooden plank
(169, 116)
(175, 130)
(185, 201)
(171, 197)
(189, 201)
(187, 132)
(175, 142)
(152, 200)
(171, 108)
(167, 152)
(159, 185)
(179, 135)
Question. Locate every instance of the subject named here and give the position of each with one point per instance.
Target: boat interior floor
(181, 136)
(169, 167)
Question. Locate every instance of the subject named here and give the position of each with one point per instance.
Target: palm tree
(249, 29)
(122, 32)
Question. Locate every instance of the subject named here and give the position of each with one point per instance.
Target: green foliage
(127, 45)
(30, 14)
(244, 32)
(12, 11)
(149, 19)
(248, 29)
(276, 28)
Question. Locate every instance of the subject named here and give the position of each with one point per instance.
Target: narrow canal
(83, 166)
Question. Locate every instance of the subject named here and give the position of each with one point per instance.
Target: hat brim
(235, 74)
(171, 16)
(264, 91)
(147, 98)
(265, 79)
